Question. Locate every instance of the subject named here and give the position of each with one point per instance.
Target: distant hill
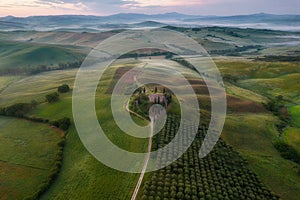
(150, 24)
(7, 25)
(255, 18)
(133, 20)
(21, 57)
(86, 19)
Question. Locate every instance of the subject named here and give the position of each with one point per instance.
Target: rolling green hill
(18, 57)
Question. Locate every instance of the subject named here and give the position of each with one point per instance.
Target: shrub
(63, 123)
(63, 88)
(287, 151)
(52, 97)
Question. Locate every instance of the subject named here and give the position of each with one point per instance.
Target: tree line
(278, 108)
(20, 110)
(38, 69)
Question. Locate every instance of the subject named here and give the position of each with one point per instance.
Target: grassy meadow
(35, 87)
(19, 57)
(79, 167)
(27, 156)
(295, 112)
(252, 135)
(292, 134)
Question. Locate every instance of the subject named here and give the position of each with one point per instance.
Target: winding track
(138, 185)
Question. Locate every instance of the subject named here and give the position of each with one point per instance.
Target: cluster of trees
(169, 56)
(53, 97)
(38, 69)
(287, 151)
(278, 108)
(63, 88)
(223, 174)
(168, 98)
(154, 53)
(140, 104)
(279, 59)
(61, 66)
(230, 78)
(63, 123)
(21, 109)
(274, 105)
(18, 109)
(69, 65)
(142, 90)
(234, 51)
(184, 63)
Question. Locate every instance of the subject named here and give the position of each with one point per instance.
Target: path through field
(138, 185)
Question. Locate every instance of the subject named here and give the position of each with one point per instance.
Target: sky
(24, 8)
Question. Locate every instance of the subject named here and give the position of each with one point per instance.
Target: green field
(295, 112)
(79, 167)
(244, 93)
(5, 81)
(27, 156)
(292, 134)
(267, 79)
(83, 177)
(252, 136)
(36, 87)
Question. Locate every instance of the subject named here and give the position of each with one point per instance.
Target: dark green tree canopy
(52, 97)
(63, 88)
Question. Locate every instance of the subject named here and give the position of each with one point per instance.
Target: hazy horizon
(25, 8)
(162, 13)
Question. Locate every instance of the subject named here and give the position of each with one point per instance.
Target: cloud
(42, 7)
(161, 3)
(63, 5)
(42, 4)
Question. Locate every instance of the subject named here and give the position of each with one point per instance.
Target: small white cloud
(161, 3)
